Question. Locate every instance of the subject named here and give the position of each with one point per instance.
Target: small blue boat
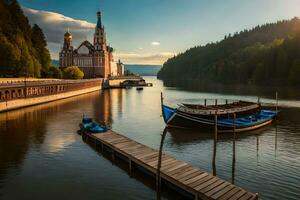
(89, 125)
(248, 117)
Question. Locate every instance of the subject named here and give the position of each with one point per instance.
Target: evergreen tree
(42, 53)
(265, 54)
(23, 50)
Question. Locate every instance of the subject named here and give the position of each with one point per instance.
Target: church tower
(67, 40)
(101, 50)
(99, 36)
(66, 55)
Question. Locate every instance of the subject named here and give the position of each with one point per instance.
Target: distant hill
(144, 70)
(23, 48)
(55, 63)
(265, 55)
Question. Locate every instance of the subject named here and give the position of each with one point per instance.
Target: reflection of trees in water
(268, 91)
(18, 135)
(26, 128)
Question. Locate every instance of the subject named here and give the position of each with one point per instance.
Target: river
(43, 157)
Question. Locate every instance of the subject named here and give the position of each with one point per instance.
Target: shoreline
(26, 102)
(18, 95)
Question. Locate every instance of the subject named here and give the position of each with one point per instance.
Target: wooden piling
(216, 125)
(215, 145)
(130, 166)
(158, 173)
(276, 101)
(233, 148)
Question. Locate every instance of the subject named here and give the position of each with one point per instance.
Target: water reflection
(39, 148)
(287, 92)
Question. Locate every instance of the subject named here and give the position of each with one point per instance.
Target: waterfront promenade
(16, 93)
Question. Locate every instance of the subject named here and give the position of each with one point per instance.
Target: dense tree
(23, 50)
(265, 54)
(72, 72)
(40, 45)
(54, 72)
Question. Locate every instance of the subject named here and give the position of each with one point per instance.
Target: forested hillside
(268, 54)
(143, 70)
(23, 49)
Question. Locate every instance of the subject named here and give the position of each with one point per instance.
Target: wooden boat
(241, 116)
(139, 88)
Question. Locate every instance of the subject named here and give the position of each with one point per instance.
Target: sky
(151, 31)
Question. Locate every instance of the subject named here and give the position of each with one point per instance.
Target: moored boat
(89, 125)
(241, 116)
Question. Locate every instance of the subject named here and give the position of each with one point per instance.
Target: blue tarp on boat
(93, 127)
(262, 116)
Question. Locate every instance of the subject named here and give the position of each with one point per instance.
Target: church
(93, 59)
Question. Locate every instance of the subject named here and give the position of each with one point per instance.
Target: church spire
(99, 23)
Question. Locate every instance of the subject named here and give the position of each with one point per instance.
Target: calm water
(42, 156)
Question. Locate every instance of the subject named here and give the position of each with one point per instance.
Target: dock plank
(222, 192)
(248, 196)
(179, 173)
(230, 193)
(217, 189)
(238, 195)
(206, 183)
(212, 186)
(206, 177)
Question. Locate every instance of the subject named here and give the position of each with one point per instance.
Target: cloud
(146, 58)
(54, 26)
(155, 43)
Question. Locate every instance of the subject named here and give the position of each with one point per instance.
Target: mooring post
(233, 149)
(158, 177)
(113, 155)
(216, 102)
(204, 102)
(215, 145)
(101, 147)
(196, 196)
(216, 125)
(226, 101)
(276, 101)
(130, 165)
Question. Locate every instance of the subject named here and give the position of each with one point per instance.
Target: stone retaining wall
(27, 95)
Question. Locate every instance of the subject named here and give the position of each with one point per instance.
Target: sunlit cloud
(54, 26)
(155, 43)
(145, 58)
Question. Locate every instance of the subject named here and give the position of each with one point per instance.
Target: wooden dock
(200, 184)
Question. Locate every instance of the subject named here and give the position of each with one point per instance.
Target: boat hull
(173, 118)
